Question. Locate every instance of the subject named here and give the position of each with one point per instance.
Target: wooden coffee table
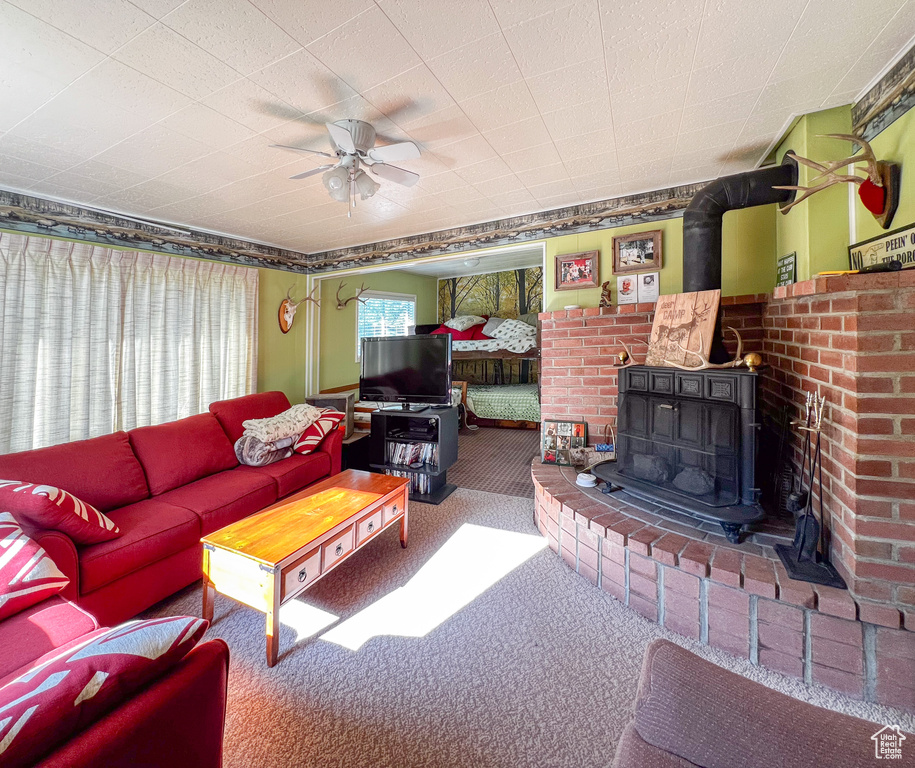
(276, 554)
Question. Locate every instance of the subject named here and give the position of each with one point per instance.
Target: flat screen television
(406, 369)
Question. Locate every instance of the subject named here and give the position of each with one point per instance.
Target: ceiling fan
(353, 143)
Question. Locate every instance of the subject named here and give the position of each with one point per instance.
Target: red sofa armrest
(177, 721)
(332, 445)
(62, 551)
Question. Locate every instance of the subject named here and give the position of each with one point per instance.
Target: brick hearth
(736, 598)
(853, 337)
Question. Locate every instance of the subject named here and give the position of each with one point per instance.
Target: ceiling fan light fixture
(366, 186)
(336, 182)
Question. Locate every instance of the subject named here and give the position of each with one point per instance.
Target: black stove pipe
(702, 218)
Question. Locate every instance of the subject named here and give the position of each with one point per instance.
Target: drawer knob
(339, 549)
(303, 575)
(371, 526)
(395, 509)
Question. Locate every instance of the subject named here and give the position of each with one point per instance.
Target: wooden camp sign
(683, 321)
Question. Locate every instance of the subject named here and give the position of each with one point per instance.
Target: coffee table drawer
(338, 547)
(393, 508)
(301, 573)
(368, 525)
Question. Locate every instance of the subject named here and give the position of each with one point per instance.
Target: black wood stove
(687, 440)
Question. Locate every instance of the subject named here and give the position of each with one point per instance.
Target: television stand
(418, 445)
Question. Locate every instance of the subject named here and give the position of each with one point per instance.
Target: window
(384, 314)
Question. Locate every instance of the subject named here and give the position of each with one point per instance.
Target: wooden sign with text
(683, 321)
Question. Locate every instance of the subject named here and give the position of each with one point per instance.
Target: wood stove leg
(732, 532)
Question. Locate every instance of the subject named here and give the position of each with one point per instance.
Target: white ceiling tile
(17, 166)
(107, 174)
(254, 107)
(86, 187)
(593, 183)
(423, 23)
(717, 80)
(207, 125)
(568, 35)
(553, 189)
(304, 82)
(599, 193)
(511, 12)
(465, 152)
(13, 182)
(666, 96)
(640, 22)
(488, 169)
(477, 68)
(569, 86)
(157, 8)
(713, 136)
(648, 129)
(507, 104)
(543, 175)
(154, 151)
(517, 136)
(307, 21)
(722, 110)
(21, 95)
(166, 56)
(592, 162)
(709, 155)
(103, 24)
(440, 182)
(587, 144)
(761, 34)
(640, 63)
(342, 51)
(439, 128)
(695, 175)
(582, 118)
(532, 157)
(51, 155)
(410, 96)
(234, 31)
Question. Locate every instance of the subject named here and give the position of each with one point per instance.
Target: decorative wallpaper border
(29, 215)
(888, 100)
(641, 208)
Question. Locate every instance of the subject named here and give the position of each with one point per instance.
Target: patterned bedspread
(491, 345)
(504, 401)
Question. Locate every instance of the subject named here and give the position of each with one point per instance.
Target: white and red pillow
(27, 574)
(326, 423)
(53, 508)
(71, 687)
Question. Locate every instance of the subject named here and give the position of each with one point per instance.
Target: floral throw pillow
(48, 507)
(326, 423)
(73, 686)
(463, 322)
(514, 329)
(27, 574)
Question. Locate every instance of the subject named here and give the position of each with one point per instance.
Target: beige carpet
(538, 669)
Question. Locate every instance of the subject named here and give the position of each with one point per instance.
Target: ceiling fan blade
(395, 174)
(342, 137)
(394, 153)
(301, 149)
(312, 172)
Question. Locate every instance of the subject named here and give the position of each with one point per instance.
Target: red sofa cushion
(316, 432)
(79, 683)
(231, 413)
(42, 628)
(294, 473)
(224, 498)
(150, 531)
(54, 509)
(27, 574)
(179, 452)
(103, 471)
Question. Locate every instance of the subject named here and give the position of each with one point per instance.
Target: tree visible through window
(384, 314)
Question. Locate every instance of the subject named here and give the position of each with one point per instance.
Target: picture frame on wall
(638, 252)
(559, 441)
(577, 270)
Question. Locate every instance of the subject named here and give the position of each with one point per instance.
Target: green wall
(280, 357)
(338, 366)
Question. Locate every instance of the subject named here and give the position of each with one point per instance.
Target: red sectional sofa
(165, 487)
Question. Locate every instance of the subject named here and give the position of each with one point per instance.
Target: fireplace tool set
(807, 557)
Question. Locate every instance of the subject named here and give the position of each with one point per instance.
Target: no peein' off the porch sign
(898, 245)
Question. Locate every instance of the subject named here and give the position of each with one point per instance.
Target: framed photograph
(577, 270)
(639, 252)
(560, 439)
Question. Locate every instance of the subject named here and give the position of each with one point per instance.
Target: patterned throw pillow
(73, 686)
(57, 510)
(311, 437)
(27, 574)
(463, 322)
(513, 329)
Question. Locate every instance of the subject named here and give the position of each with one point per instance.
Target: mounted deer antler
(288, 307)
(735, 363)
(341, 303)
(879, 190)
(625, 357)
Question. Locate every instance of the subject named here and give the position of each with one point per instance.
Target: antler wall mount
(288, 306)
(878, 189)
(341, 303)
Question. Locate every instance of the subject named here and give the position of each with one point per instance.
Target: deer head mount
(878, 189)
(341, 303)
(288, 307)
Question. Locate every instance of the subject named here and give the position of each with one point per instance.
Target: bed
(489, 349)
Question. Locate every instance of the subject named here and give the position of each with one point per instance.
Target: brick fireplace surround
(853, 337)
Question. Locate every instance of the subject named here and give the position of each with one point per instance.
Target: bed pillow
(312, 437)
(55, 509)
(73, 686)
(27, 574)
(531, 318)
(490, 328)
(456, 335)
(514, 329)
(479, 334)
(463, 322)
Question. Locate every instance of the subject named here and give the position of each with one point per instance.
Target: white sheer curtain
(93, 340)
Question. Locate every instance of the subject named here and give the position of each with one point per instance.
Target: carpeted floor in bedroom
(476, 646)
